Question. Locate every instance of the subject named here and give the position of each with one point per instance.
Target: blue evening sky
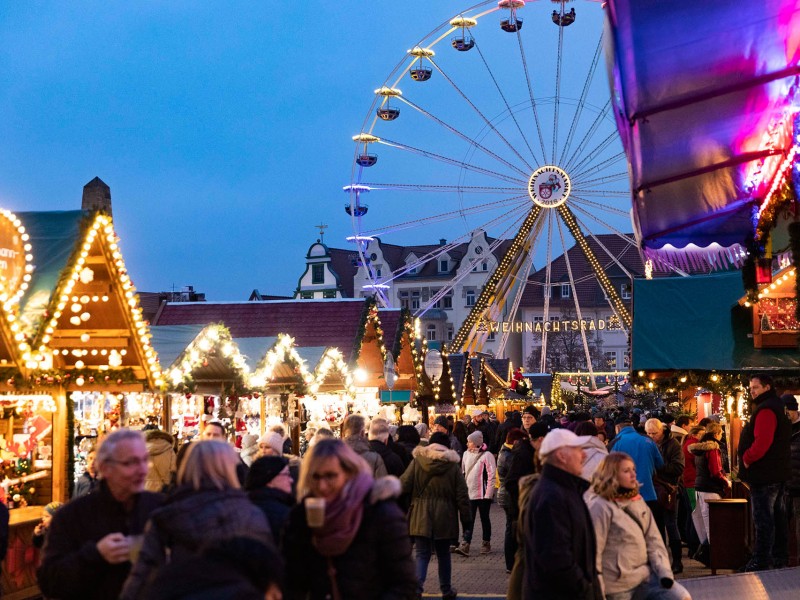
(223, 128)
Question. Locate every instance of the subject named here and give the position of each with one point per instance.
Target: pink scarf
(343, 517)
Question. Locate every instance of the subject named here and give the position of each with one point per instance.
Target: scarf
(626, 493)
(343, 517)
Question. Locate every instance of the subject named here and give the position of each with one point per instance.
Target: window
(412, 271)
(431, 332)
(306, 295)
(378, 270)
(470, 296)
(447, 302)
(474, 265)
(484, 266)
(449, 333)
(444, 265)
(625, 291)
(317, 274)
(404, 300)
(414, 300)
(565, 290)
(538, 319)
(611, 359)
(492, 336)
(329, 294)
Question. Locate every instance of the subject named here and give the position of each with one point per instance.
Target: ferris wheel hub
(549, 186)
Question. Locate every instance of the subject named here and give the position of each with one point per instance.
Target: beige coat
(162, 460)
(629, 545)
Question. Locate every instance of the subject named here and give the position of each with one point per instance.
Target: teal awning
(696, 323)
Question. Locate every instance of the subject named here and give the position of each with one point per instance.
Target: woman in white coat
(631, 557)
(594, 451)
(479, 468)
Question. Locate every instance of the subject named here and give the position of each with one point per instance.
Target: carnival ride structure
(503, 130)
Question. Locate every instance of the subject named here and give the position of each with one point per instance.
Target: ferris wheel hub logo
(549, 186)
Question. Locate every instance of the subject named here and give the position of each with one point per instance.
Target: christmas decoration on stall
(446, 388)
(368, 316)
(214, 341)
(283, 352)
(332, 361)
(97, 232)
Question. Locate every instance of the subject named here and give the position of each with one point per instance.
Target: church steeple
(96, 196)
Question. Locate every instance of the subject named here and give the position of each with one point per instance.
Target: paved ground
(484, 577)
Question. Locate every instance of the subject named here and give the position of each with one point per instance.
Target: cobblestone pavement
(484, 576)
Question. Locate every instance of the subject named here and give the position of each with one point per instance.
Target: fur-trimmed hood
(435, 457)
(701, 447)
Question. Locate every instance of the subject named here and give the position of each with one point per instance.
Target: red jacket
(689, 471)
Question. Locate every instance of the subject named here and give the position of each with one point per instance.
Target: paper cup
(315, 512)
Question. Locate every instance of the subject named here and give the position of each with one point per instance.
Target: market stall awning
(696, 323)
(704, 94)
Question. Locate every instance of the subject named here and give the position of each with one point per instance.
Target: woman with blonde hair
(207, 506)
(631, 557)
(346, 538)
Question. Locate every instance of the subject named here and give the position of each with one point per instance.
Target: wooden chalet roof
(320, 323)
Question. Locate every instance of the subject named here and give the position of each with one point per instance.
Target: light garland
(10, 298)
(33, 402)
(332, 359)
(102, 232)
(213, 338)
(282, 350)
(778, 180)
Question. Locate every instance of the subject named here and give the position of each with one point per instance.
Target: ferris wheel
(486, 125)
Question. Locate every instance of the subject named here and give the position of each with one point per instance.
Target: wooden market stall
(73, 337)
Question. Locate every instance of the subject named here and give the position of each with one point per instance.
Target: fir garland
(369, 306)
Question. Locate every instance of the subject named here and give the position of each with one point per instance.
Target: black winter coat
(674, 462)
(560, 549)
(276, 506)
(793, 485)
(394, 466)
(521, 464)
(377, 565)
(71, 566)
(774, 466)
(188, 521)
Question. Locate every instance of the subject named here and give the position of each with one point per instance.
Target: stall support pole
(60, 441)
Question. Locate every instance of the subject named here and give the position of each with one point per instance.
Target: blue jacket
(645, 455)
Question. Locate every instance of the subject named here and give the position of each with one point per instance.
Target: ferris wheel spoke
(452, 161)
(462, 135)
(580, 199)
(578, 312)
(426, 187)
(602, 165)
(517, 202)
(505, 102)
(621, 176)
(584, 94)
(600, 193)
(480, 114)
(626, 236)
(557, 98)
(530, 94)
(597, 150)
(547, 289)
(598, 120)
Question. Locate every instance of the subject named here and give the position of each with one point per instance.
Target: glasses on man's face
(130, 462)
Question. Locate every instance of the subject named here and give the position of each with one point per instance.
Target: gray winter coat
(438, 493)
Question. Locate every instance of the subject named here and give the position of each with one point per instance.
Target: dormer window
(317, 274)
(565, 290)
(444, 265)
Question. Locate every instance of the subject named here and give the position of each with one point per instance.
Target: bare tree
(565, 352)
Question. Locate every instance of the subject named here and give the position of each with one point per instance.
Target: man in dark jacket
(441, 425)
(764, 463)
(379, 443)
(88, 548)
(560, 548)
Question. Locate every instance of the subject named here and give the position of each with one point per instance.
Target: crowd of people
(596, 505)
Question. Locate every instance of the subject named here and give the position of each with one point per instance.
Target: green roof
(54, 237)
(696, 323)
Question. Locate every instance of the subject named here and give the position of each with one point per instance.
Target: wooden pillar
(60, 442)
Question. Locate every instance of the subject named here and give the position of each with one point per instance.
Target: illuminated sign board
(556, 326)
(14, 257)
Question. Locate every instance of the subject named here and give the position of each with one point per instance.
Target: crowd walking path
(483, 577)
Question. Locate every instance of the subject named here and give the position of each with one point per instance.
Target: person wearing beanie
(40, 531)
(269, 486)
(249, 448)
(479, 469)
(270, 444)
(440, 425)
(434, 483)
